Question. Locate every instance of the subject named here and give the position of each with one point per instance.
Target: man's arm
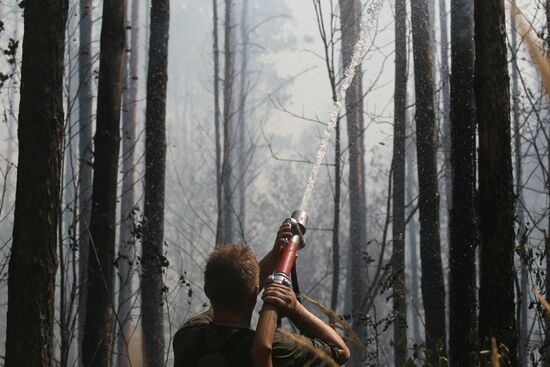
(310, 325)
(269, 261)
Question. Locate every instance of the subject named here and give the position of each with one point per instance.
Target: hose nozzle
(301, 217)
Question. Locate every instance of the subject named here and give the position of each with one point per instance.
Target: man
(222, 336)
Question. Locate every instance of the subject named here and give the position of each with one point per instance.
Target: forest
(137, 136)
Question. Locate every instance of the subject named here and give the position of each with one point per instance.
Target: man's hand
(283, 298)
(269, 261)
(283, 235)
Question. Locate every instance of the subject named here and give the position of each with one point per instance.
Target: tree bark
(546, 351)
(463, 349)
(217, 129)
(496, 194)
(412, 231)
(85, 171)
(98, 333)
(127, 237)
(33, 260)
(336, 214)
(229, 132)
(153, 259)
(446, 104)
(350, 18)
(242, 153)
(398, 190)
(433, 292)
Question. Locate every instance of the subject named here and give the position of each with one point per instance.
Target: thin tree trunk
(243, 157)
(153, 259)
(328, 46)
(412, 230)
(446, 103)
(33, 260)
(398, 190)
(98, 333)
(228, 165)
(336, 215)
(127, 243)
(462, 281)
(496, 194)
(85, 103)
(546, 351)
(433, 292)
(350, 17)
(217, 129)
(67, 211)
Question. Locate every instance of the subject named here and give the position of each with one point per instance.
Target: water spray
(285, 269)
(359, 50)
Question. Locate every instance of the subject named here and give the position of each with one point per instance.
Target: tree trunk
(217, 130)
(328, 46)
(433, 292)
(153, 259)
(412, 231)
(67, 219)
(496, 194)
(229, 131)
(127, 243)
(446, 104)
(243, 154)
(33, 260)
(398, 190)
(462, 281)
(85, 116)
(98, 331)
(336, 214)
(546, 351)
(350, 17)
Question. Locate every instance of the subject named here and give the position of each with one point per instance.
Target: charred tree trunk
(33, 260)
(496, 194)
(153, 259)
(398, 190)
(462, 281)
(350, 17)
(229, 131)
(217, 129)
(98, 333)
(85, 116)
(433, 292)
(126, 253)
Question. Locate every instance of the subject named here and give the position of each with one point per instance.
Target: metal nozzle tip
(301, 217)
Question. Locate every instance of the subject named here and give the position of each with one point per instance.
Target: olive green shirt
(199, 343)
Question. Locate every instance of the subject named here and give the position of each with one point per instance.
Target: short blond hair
(232, 272)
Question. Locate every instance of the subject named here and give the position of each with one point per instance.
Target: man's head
(231, 277)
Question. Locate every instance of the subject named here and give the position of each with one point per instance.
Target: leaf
(338, 321)
(495, 358)
(322, 355)
(531, 40)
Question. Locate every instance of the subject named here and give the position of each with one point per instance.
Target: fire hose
(285, 274)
